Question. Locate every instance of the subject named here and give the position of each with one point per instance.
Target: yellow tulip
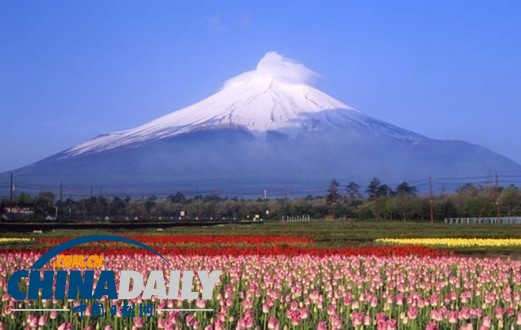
(4, 240)
(454, 242)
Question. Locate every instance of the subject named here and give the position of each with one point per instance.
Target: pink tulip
(464, 313)
(138, 323)
(32, 320)
(303, 313)
(487, 322)
(431, 326)
(467, 326)
(321, 325)
(412, 313)
(381, 325)
(374, 301)
(453, 317)
(65, 326)
(42, 321)
(381, 316)
(272, 323)
(391, 324)
(498, 313)
(357, 319)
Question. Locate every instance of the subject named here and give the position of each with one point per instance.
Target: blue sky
(70, 70)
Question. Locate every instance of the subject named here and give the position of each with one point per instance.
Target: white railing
(296, 218)
(492, 220)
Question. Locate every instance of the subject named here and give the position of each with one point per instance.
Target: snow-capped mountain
(274, 97)
(266, 127)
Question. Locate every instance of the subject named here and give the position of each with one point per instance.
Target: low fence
(493, 220)
(296, 218)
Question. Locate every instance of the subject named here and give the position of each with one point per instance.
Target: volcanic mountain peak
(274, 97)
(266, 128)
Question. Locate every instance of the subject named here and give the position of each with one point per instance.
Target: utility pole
(70, 199)
(99, 203)
(492, 193)
(430, 200)
(58, 206)
(197, 200)
(498, 193)
(11, 191)
(266, 203)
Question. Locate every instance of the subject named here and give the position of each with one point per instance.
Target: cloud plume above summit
(279, 68)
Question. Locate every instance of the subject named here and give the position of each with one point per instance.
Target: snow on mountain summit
(276, 96)
(278, 68)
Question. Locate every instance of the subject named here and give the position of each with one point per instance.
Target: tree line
(377, 200)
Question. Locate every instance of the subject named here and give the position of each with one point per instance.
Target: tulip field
(293, 276)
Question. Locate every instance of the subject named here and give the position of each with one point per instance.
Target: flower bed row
(378, 251)
(7, 240)
(454, 242)
(310, 292)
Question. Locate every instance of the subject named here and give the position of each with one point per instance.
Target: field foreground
(326, 275)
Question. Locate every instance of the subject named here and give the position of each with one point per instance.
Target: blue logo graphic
(38, 264)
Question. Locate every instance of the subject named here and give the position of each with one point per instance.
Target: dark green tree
(150, 204)
(44, 203)
(333, 196)
(24, 198)
(178, 197)
(404, 189)
(373, 188)
(117, 206)
(332, 192)
(384, 190)
(353, 191)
